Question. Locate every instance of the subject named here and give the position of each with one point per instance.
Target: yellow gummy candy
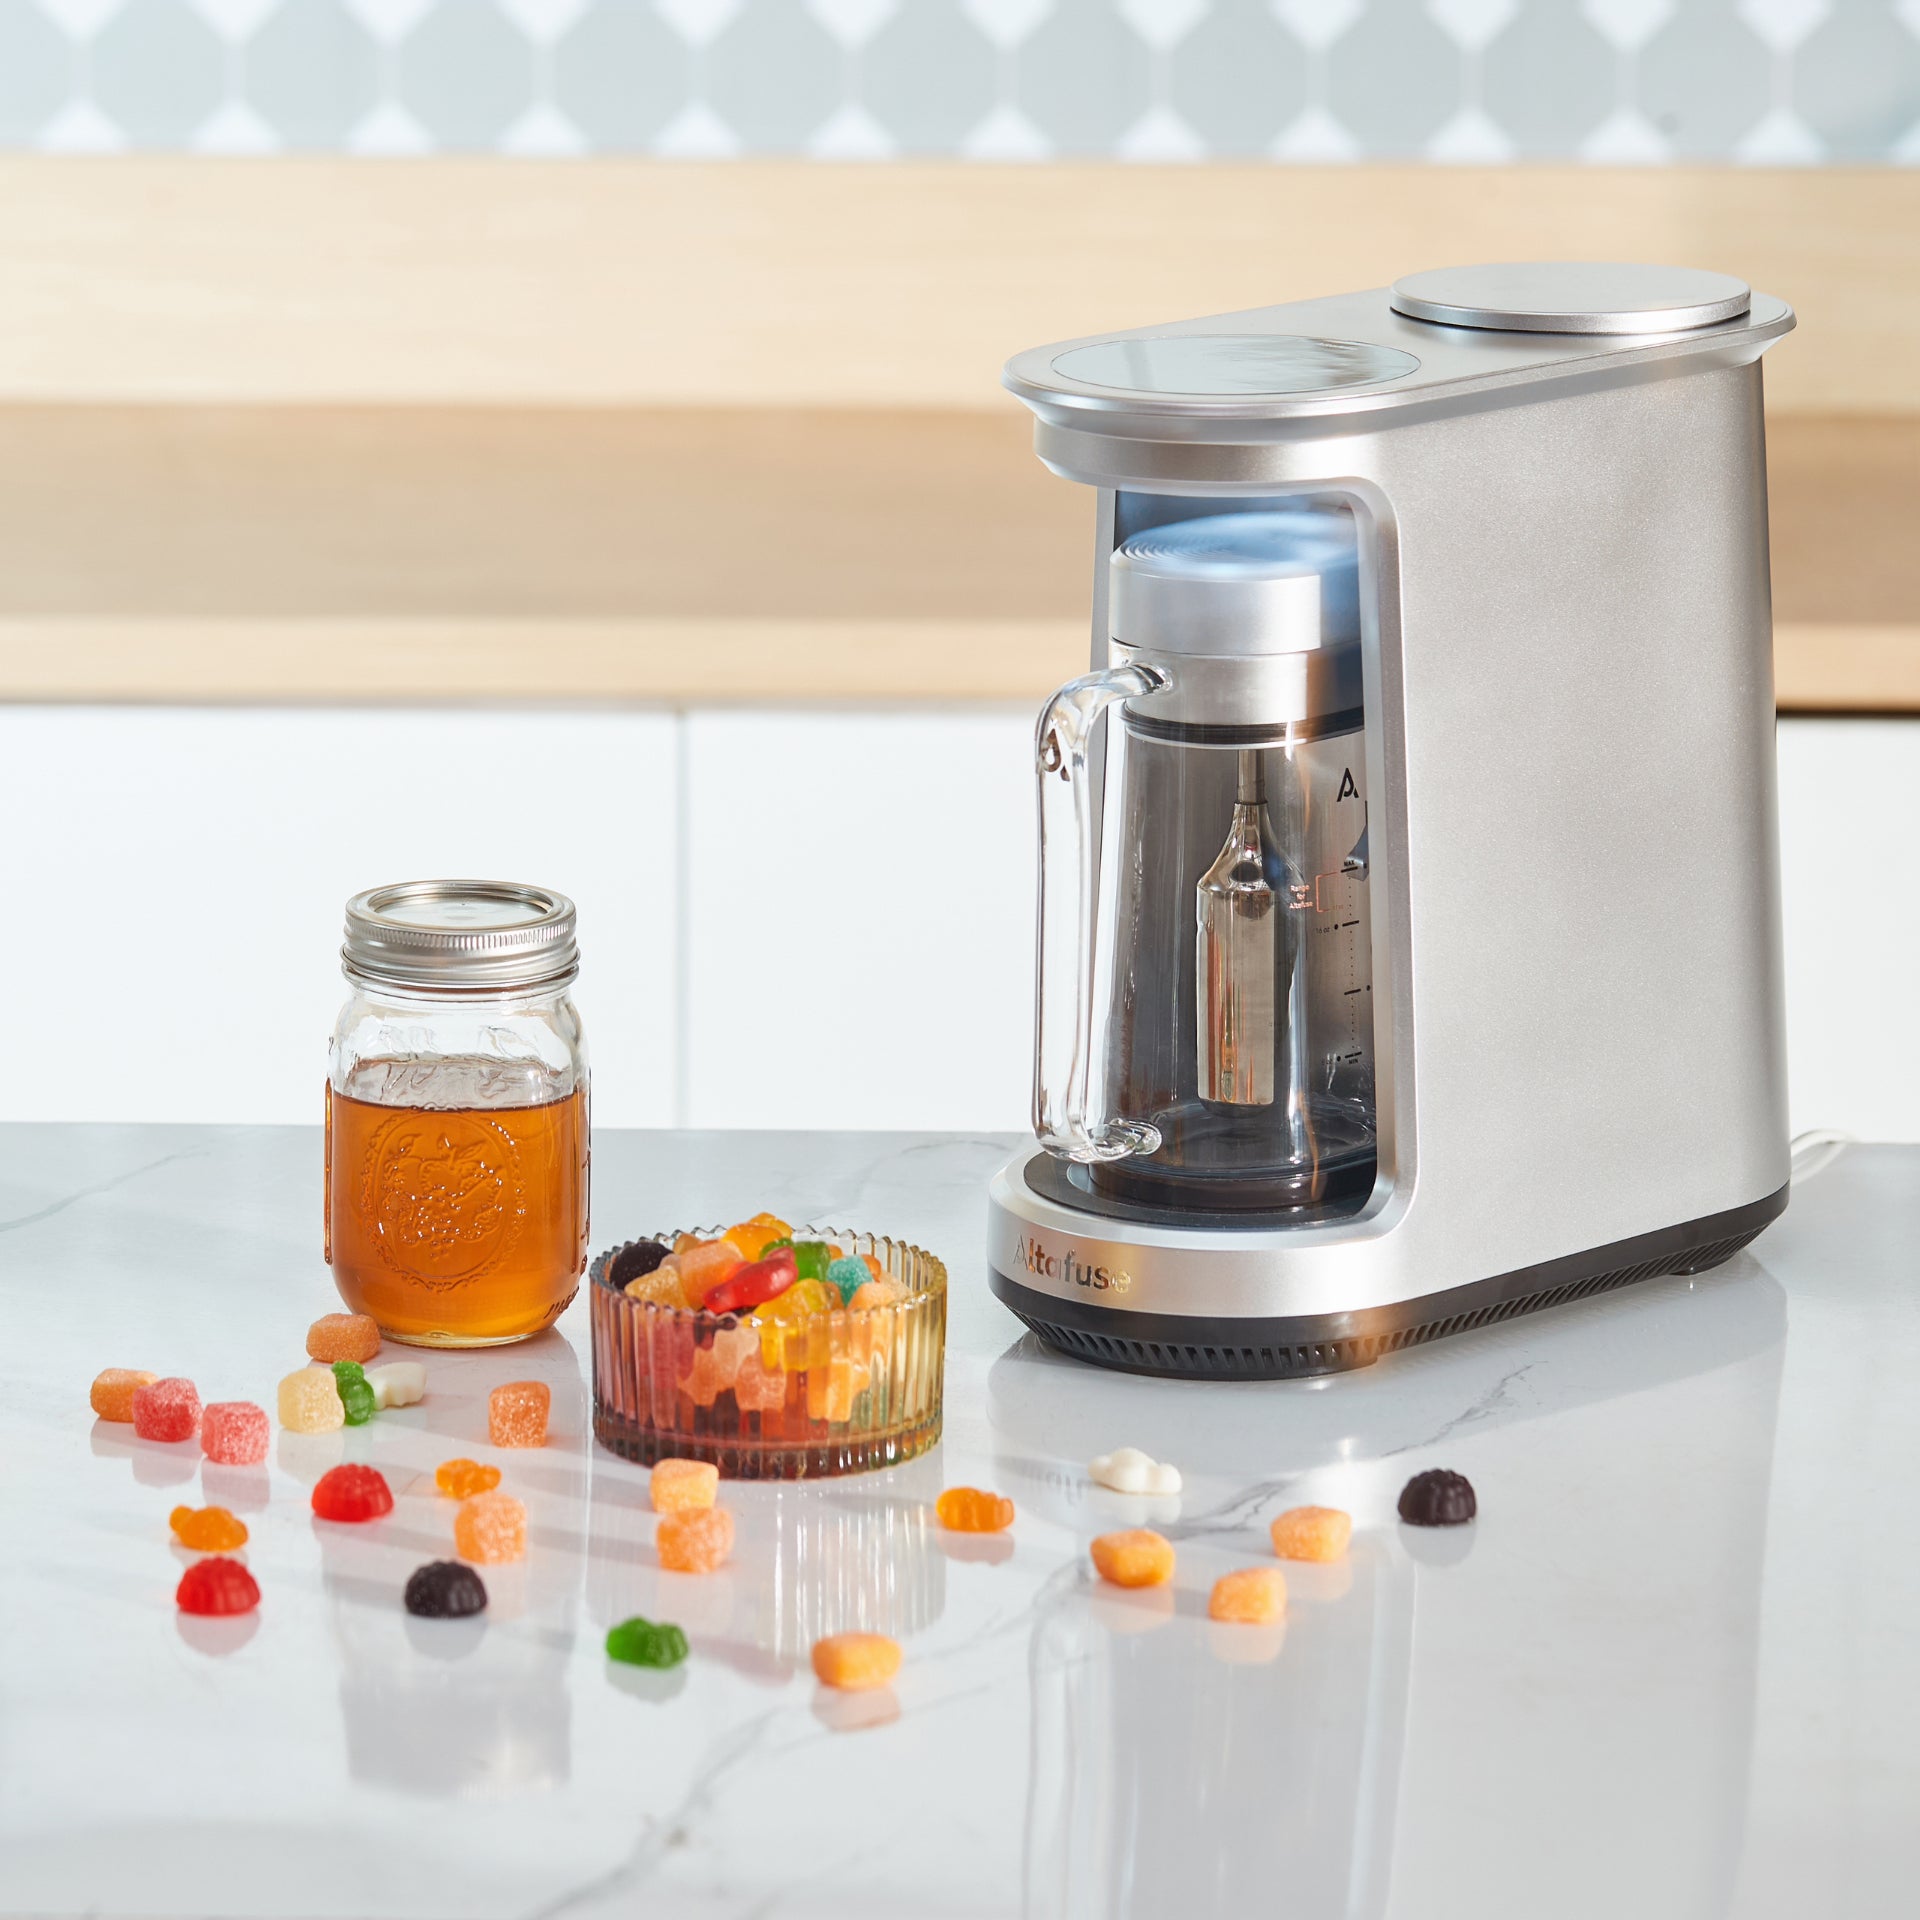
(662, 1287)
(786, 1332)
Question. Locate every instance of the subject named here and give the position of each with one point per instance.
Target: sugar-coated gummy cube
(856, 1662)
(758, 1388)
(217, 1586)
(1435, 1498)
(491, 1528)
(971, 1510)
(208, 1529)
(517, 1413)
(352, 1493)
(343, 1336)
(643, 1643)
(696, 1540)
(464, 1478)
(713, 1365)
(1135, 1557)
(234, 1433)
(400, 1383)
(1251, 1596)
(679, 1485)
(113, 1391)
(1311, 1533)
(445, 1590)
(663, 1287)
(309, 1401)
(848, 1274)
(166, 1410)
(704, 1265)
(876, 1294)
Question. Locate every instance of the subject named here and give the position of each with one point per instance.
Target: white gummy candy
(1128, 1470)
(398, 1384)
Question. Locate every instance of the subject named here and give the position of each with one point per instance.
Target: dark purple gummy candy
(1438, 1498)
(445, 1590)
(634, 1262)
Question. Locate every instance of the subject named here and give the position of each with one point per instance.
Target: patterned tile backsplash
(1763, 81)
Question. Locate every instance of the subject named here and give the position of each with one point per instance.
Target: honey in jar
(457, 1144)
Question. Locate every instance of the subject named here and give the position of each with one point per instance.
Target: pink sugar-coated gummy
(234, 1433)
(167, 1410)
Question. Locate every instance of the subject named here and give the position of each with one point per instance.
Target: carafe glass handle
(1069, 1078)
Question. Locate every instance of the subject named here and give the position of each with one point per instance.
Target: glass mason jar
(456, 1163)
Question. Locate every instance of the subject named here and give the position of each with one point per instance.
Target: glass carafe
(1205, 1032)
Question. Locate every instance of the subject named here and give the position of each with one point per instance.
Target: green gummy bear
(849, 1273)
(810, 1259)
(639, 1643)
(357, 1398)
(345, 1370)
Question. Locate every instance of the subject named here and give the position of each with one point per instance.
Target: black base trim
(1202, 1347)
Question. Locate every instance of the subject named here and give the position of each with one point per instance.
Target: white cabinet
(1850, 874)
(171, 885)
(859, 919)
(790, 918)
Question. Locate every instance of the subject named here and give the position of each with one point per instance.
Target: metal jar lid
(460, 936)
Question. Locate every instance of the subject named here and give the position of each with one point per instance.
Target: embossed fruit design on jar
(457, 1154)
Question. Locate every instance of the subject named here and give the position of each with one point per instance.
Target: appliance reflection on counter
(1430, 1720)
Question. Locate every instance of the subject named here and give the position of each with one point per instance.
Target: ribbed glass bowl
(840, 1392)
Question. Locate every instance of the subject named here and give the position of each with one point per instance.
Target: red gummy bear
(217, 1586)
(352, 1493)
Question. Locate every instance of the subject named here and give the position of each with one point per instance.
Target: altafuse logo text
(1068, 1267)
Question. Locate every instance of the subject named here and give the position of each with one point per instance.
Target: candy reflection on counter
(805, 1562)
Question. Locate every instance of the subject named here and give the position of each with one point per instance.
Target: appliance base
(1199, 1347)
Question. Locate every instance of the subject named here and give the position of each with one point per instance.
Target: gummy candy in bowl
(798, 1376)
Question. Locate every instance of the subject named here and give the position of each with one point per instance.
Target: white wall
(789, 919)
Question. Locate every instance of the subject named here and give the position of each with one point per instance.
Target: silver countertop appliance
(1409, 918)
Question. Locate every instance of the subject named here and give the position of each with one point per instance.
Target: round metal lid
(1572, 296)
(1282, 580)
(460, 936)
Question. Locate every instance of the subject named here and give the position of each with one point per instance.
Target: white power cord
(1816, 1150)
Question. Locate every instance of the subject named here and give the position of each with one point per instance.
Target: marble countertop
(1672, 1670)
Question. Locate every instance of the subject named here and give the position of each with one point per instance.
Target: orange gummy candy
(208, 1529)
(1136, 1557)
(464, 1478)
(877, 1293)
(491, 1528)
(758, 1388)
(704, 1265)
(835, 1384)
(971, 1510)
(343, 1336)
(753, 1237)
(517, 1413)
(679, 1486)
(113, 1391)
(1254, 1596)
(856, 1662)
(696, 1540)
(713, 1368)
(1312, 1533)
(663, 1287)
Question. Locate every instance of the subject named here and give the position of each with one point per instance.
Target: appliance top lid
(1572, 296)
(1268, 372)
